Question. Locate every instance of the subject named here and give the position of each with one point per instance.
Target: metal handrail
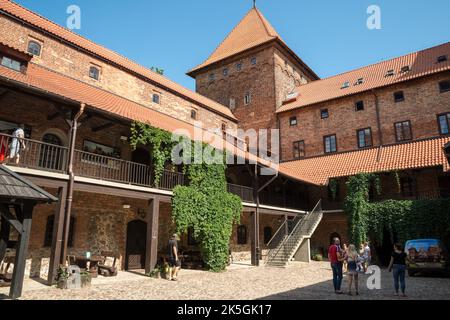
(304, 218)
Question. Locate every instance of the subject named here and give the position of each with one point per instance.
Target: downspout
(380, 133)
(69, 200)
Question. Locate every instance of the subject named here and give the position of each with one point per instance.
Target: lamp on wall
(142, 213)
(127, 206)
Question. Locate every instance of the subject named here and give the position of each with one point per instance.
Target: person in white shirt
(17, 145)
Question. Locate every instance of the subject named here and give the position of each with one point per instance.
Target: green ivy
(405, 219)
(160, 142)
(205, 205)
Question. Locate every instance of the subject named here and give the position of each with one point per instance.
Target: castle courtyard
(299, 281)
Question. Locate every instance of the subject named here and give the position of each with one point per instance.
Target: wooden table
(90, 264)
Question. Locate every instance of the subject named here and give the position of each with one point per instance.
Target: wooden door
(136, 245)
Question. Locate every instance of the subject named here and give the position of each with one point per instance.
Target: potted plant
(61, 278)
(155, 273)
(316, 255)
(85, 279)
(164, 271)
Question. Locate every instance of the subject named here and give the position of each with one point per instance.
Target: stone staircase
(290, 236)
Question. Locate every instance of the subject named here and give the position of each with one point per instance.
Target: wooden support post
(286, 225)
(255, 252)
(56, 258)
(4, 237)
(21, 251)
(151, 257)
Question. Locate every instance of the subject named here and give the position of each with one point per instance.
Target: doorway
(136, 245)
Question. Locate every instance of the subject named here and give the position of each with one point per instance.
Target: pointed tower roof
(253, 30)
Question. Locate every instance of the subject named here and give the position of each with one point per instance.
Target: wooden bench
(105, 270)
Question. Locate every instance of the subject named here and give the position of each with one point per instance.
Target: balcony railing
(34, 154)
(245, 193)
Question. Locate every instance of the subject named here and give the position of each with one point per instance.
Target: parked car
(426, 255)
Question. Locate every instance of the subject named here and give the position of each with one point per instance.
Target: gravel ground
(298, 281)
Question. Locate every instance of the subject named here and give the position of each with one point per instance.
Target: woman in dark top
(398, 264)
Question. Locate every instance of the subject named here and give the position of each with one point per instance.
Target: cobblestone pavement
(298, 281)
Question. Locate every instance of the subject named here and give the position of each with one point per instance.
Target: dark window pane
(399, 96)
(359, 106)
(324, 113)
(11, 63)
(267, 234)
(443, 123)
(293, 121)
(242, 235)
(94, 73)
(156, 98)
(444, 86)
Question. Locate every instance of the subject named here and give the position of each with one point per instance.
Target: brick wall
(423, 102)
(71, 62)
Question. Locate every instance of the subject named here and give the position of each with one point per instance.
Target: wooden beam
(103, 127)
(58, 228)
(21, 252)
(5, 213)
(151, 257)
(5, 229)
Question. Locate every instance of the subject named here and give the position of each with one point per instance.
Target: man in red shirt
(335, 257)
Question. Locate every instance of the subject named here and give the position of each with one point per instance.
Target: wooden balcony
(47, 157)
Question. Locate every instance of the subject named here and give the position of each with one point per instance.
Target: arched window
(49, 231)
(34, 48)
(267, 234)
(242, 234)
(51, 156)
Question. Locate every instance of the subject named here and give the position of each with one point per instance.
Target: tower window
(11, 63)
(239, 66)
(225, 72)
(34, 48)
(299, 149)
(247, 98)
(330, 144)
(399, 96)
(324, 114)
(403, 131)
(212, 77)
(364, 138)
(253, 61)
(232, 103)
(359, 106)
(293, 121)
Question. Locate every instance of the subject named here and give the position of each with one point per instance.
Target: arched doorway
(51, 157)
(136, 245)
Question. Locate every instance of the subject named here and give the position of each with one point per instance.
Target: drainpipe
(73, 137)
(380, 133)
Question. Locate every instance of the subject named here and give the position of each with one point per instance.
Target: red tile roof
(422, 63)
(50, 82)
(77, 40)
(252, 31)
(412, 155)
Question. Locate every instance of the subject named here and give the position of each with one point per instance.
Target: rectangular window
(441, 59)
(225, 72)
(330, 144)
(253, 61)
(212, 77)
(11, 63)
(444, 121)
(403, 131)
(405, 69)
(194, 114)
(232, 103)
(94, 73)
(324, 113)
(156, 98)
(293, 121)
(399, 96)
(444, 86)
(345, 85)
(364, 138)
(239, 66)
(359, 81)
(247, 99)
(299, 149)
(390, 73)
(359, 106)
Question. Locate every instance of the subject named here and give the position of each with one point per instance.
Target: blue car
(426, 255)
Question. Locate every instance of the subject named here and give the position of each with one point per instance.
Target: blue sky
(330, 36)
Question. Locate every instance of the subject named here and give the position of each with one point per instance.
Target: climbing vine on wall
(159, 141)
(404, 220)
(205, 205)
